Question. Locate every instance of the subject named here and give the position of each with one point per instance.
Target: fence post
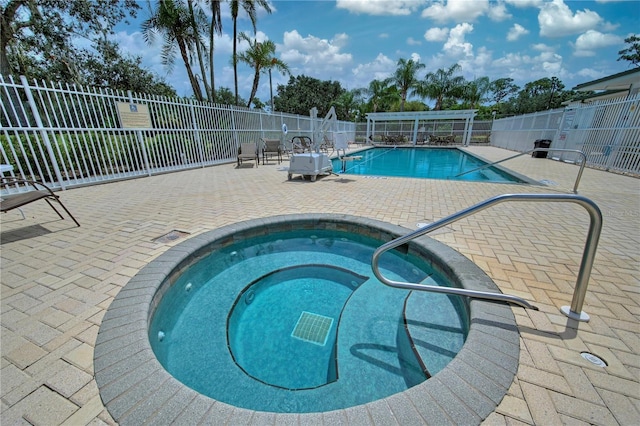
(233, 126)
(42, 131)
(140, 138)
(196, 133)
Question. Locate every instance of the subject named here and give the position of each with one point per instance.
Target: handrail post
(577, 151)
(574, 311)
(595, 226)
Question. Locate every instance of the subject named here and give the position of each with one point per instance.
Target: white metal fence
(66, 136)
(69, 136)
(480, 132)
(607, 131)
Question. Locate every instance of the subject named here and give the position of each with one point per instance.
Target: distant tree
(301, 93)
(225, 96)
(258, 104)
(405, 78)
(442, 84)
(31, 30)
(346, 105)
(475, 92)
(411, 106)
(382, 94)
(108, 68)
(172, 20)
(502, 89)
(261, 57)
(632, 52)
(545, 93)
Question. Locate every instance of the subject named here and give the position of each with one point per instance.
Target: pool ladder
(574, 311)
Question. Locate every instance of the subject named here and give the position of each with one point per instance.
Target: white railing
(66, 136)
(607, 131)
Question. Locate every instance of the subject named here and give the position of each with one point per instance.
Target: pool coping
(135, 388)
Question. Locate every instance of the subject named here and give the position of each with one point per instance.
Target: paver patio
(58, 280)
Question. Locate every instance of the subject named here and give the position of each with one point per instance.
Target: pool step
(436, 332)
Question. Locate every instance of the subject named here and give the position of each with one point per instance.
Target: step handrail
(574, 311)
(577, 151)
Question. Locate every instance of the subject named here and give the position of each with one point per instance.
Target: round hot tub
(283, 315)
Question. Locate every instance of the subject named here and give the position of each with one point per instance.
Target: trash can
(541, 143)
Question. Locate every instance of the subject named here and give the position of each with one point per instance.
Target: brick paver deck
(58, 280)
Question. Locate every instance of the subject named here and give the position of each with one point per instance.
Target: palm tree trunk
(211, 70)
(192, 78)
(254, 88)
(235, 58)
(199, 50)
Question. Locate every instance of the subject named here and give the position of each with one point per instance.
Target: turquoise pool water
(427, 163)
(296, 322)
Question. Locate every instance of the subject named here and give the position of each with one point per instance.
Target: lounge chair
(249, 152)
(271, 147)
(19, 199)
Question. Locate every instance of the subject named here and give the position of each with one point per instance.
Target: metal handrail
(575, 186)
(573, 312)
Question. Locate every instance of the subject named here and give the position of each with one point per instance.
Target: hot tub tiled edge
(135, 388)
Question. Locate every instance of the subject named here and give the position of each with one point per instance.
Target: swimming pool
(426, 163)
(136, 388)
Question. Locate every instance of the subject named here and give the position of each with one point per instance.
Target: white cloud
(525, 68)
(590, 74)
(314, 56)
(557, 20)
(456, 10)
(498, 12)
(381, 68)
(415, 57)
(516, 32)
(456, 47)
(586, 44)
(524, 3)
(381, 7)
(413, 42)
(476, 66)
(541, 47)
(436, 34)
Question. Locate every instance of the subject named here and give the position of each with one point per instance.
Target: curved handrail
(574, 312)
(575, 185)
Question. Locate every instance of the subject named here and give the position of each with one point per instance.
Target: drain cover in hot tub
(312, 328)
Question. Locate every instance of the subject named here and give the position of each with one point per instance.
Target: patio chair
(15, 201)
(271, 147)
(327, 144)
(248, 151)
(301, 144)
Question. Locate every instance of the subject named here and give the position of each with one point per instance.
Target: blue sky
(356, 41)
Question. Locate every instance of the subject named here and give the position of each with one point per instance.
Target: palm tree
(381, 94)
(215, 26)
(405, 78)
(198, 24)
(475, 91)
(249, 6)
(260, 56)
(347, 104)
(172, 20)
(442, 84)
